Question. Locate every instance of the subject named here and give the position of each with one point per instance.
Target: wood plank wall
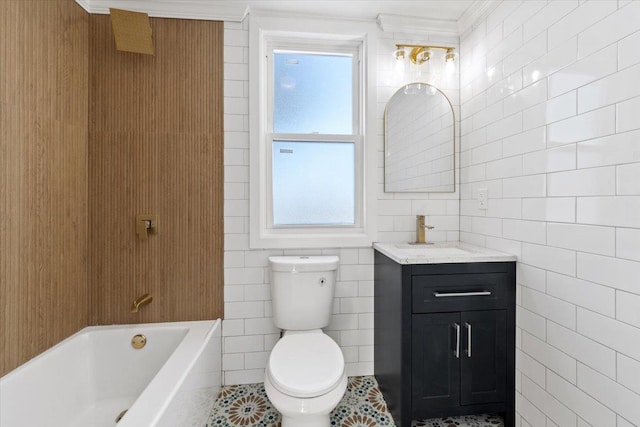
(156, 147)
(43, 175)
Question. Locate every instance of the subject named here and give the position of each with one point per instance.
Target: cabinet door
(435, 370)
(483, 358)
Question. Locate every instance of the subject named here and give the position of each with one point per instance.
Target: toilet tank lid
(304, 263)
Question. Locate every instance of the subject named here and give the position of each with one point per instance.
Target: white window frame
(349, 48)
(296, 34)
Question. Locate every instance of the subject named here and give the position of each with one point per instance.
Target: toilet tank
(302, 290)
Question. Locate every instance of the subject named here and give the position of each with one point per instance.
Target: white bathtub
(92, 376)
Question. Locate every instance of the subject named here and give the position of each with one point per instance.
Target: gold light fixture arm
(425, 46)
(420, 54)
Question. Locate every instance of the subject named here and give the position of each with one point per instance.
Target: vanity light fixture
(399, 53)
(450, 56)
(420, 54)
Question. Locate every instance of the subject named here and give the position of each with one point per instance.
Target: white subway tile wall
(563, 104)
(248, 331)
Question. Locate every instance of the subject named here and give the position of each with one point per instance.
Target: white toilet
(305, 376)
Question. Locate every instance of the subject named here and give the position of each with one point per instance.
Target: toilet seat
(305, 365)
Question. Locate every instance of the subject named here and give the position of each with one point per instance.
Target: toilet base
(306, 421)
(301, 412)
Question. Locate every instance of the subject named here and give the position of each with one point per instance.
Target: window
(315, 124)
(308, 144)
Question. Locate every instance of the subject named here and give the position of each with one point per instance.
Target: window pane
(313, 183)
(313, 93)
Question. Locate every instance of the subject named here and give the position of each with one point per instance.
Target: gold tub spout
(142, 301)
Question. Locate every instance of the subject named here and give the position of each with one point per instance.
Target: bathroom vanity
(444, 330)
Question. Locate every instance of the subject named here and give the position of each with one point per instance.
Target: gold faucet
(421, 227)
(142, 301)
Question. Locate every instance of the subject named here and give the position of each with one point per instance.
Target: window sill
(285, 240)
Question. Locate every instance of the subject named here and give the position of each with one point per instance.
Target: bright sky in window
(313, 183)
(313, 93)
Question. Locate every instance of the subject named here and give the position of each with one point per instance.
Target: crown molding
(410, 24)
(209, 10)
(84, 4)
(478, 10)
(236, 11)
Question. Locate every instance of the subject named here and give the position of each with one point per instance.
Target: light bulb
(399, 54)
(399, 65)
(449, 68)
(449, 58)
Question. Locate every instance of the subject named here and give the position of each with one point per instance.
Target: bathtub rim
(151, 404)
(172, 374)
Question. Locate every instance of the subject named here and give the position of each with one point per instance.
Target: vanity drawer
(459, 292)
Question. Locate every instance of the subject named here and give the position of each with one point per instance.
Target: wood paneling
(149, 142)
(43, 175)
(155, 147)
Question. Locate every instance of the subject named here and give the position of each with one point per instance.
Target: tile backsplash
(547, 110)
(550, 100)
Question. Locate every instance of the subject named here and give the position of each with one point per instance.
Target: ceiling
(449, 10)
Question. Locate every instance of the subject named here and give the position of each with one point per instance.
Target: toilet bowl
(305, 378)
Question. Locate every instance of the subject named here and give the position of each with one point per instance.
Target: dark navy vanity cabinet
(445, 338)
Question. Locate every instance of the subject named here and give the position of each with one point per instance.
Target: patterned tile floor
(482, 420)
(361, 406)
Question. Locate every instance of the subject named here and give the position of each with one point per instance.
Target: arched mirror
(419, 154)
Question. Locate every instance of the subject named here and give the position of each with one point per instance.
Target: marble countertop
(440, 253)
